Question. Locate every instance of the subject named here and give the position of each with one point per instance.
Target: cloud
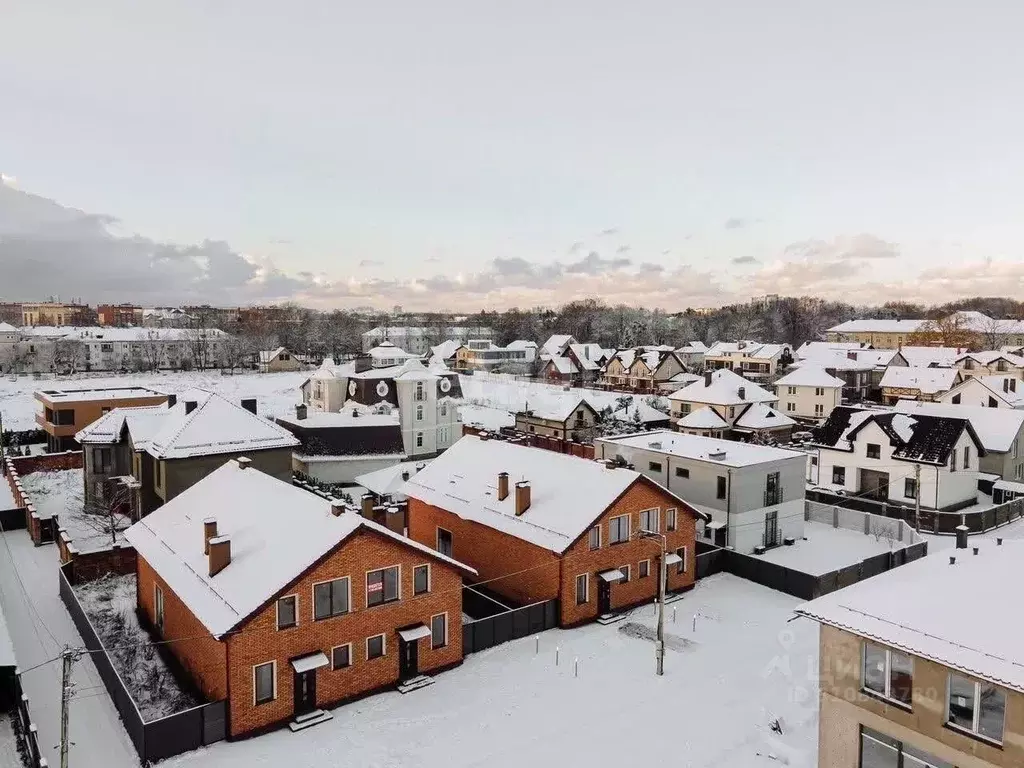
(371, 263)
(624, 249)
(593, 263)
(851, 247)
(736, 223)
(608, 232)
(576, 247)
(739, 260)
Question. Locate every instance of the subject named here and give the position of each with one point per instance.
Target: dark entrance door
(305, 692)
(771, 528)
(874, 484)
(408, 659)
(604, 597)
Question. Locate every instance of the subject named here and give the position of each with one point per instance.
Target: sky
(470, 154)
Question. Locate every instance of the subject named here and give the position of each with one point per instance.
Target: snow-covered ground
(110, 604)
(1014, 530)
(485, 418)
(62, 493)
(724, 686)
(9, 757)
(276, 393)
(828, 549)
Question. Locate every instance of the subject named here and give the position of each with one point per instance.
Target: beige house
(923, 665)
(809, 393)
(640, 369)
(278, 360)
(752, 359)
(565, 418)
(724, 404)
(989, 363)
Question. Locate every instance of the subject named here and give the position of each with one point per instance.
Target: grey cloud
(513, 266)
(594, 264)
(745, 260)
(846, 247)
(576, 247)
(735, 223)
(608, 232)
(651, 268)
(371, 263)
(624, 249)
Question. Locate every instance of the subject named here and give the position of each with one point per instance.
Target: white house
(991, 391)
(809, 393)
(891, 457)
(754, 493)
(751, 358)
(990, 362)
(387, 355)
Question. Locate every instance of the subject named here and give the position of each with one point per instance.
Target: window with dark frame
(263, 679)
(421, 579)
(444, 542)
(682, 472)
(670, 518)
(649, 520)
(681, 565)
(341, 656)
(643, 569)
(838, 475)
(625, 574)
(287, 615)
(382, 586)
(888, 673)
(976, 707)
(880, 751)
(874, 451)
(654, 466)
(910, 488)
(720, 492)
(438, 631)
(582, 589)
(330, 598)
(374, 647)
(594, 537)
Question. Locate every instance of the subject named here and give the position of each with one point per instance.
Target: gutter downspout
(728, 503)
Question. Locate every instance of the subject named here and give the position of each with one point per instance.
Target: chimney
(975, 550)
(707, 378)
(249, 403)
(220, 554)
(742, 392)
(952, 560)
(405, 474)
(851, 355)
(367, 505)
(961, 536)
(999, 541)
(484, 436)
(172, 400)
(522, 497)
(337, 507)
(209, 532)
(300, 412)
(190, 405)
(244, 462)
(363, 363)
(502, 486)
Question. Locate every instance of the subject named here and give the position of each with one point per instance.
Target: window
(444, 542)
(331, 598)
(420, 394)
(880, 751)
(103, 462)
(419, 413)
(287, 615)
(421, 579)
(952, 460)
(819, 391)
(654, 466)
(682, 472)
(839, 475)
(341, 656)
(681, 565)
(791, 390)
(643, 569)
(874, 451)
(819, 409)
(791, 406)
(814, 461)
(649, 520)
(720, 493)
(375, 647)
(444, 409)
(732, 411)
(382, 586)
(967, 457)
(625, 574)
(618, 529)
(684, 408)
(582, 589)
(910, 488)
(594, 537)
(969, 364)
(888, 673)
(264, 682)
(439, 631)
(976, 707)
(158, 606)
(670, 519)
(419, 439)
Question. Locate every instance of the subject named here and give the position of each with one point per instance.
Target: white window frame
(366, 584)
(350, 659)
(975, 729)
(629, 529)
(640, 570)
(657, 519)
(273, 666)
(419, 439)
(586, 588)
(430, 577)
(627, 575)
(383, 646)
(158, 606)
(312, 598)
(683, 552)
(671, 519)
(277, 611)
(439, 647)
(888, 676)
(419, 413)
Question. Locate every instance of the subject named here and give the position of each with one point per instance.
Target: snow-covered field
(828, 549)
(6, 497)
(485, 418)
(725, 684)
(110, 604)
(509, 394)
(276, 393)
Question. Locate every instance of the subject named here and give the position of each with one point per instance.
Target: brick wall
(91, 565)
(583, 450)
(492, 553)
(47, 462)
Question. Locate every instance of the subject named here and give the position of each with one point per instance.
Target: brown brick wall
(47, 462)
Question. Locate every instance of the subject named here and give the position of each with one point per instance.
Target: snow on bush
(109, 602)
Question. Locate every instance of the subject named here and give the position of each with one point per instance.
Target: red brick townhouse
(538, 525)
(284, 604)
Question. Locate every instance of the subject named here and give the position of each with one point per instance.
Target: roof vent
(656, 445)
(718, 455)
(337, 507)
(707, 378)
(742, 392)
(952, 560)
(301, 411)
(975, 549)
(244, 462)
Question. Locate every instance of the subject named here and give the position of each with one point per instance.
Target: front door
(408, 659)
(305, 692)
(604, 597)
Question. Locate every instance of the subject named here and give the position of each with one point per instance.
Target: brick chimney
(172, 400)
(367, 505)
(707, 378)
(249, 403)
(522, 496)
(301, 411)
(337, 507)
(502, 486)
(244, 462)
(219, 554)
(209, 532)
(190, 405)
(742, 392)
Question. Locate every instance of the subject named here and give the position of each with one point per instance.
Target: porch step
(415, 683)
(309, 719)
(610, 618)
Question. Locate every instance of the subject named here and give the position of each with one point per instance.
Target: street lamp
(659, 644)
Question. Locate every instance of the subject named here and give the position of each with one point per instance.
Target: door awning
(307, 663)
(414, 633)
(716, 525)
(672, 558)
(613, 575)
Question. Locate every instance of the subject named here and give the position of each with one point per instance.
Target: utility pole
(659, 643)
(917, 497)
(68, 658)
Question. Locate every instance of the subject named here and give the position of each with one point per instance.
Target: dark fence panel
(709, 563)
(12, 519)
(511, 625)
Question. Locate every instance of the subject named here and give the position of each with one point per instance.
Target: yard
(828, 549)
(62, 493)
(739, 692)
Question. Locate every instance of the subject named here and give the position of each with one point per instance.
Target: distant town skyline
(464, 157)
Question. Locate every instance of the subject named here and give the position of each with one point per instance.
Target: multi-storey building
(119, 315)
(418, 339)
(56, 313)
(809, 393)
(65, 412)
(754, 360)
(115, 349)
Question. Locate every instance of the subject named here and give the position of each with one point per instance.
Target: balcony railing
(773, 497)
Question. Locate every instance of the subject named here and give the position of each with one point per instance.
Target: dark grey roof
(354, 440)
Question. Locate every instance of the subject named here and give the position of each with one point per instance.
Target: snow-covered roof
(928, 381)
(639, 408)
(521, 344)
(348, 417)
(582, 352)
(725, 452)
(388, 351)
(991, 356)
(387, 481)
(996, 428)
(703, 418)
(143, 422)
(556, 342)
(724, 389)
(751, 349)
(1003, 387)
(277, 532)
(949, 614)
(849, 359)
(693, 347)
(812, 348)
(485, 417)
(63, 396)
(103, 333)
(563, 365)
(809, 376)
(761, 416)
(878, 326)
(626, 357)
(925, 356)
(566, 493)
(215, 426)
(269, 355)
(445, 349)
(7, 328)
(557, 407)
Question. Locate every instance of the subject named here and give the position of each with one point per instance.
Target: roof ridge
(189, 418)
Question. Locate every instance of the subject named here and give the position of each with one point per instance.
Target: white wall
(801, 401)
(344, 471)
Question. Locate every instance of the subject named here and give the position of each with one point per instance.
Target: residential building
(168, 450)
(205, 316)
(418, 340)
(927, 357)
(426, 398)
(556, 345)
(64, 412)
(989, 363)
(387, 355)
(926, 384)
(286, 604)
(119, 315)
(692, 354)
(445, 352)
(752, 359)
(567, 418)
(1000, 430)
(754, 494)
(922, 665)
(972, 329)
(572, 368)
(483, 355)
(538, 525)
(168, 317)
(386, 484)
(896, 457)
(724, 404)
(882, 334)
(642, 370)
(992, 390)
(9, 334)
(278, 360)
(56, 313)
(860, 367)
(809, 393)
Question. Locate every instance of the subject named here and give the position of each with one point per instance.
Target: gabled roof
(558, 407)
(446, 349)
(142, 423)
(990, 356)
(996, 428)
(827, 348)
(949, 614)
(703, 418)
(729, 453)
(692, 348)
(564, 365)
(556, 343)
(580, 354)
(277, 532)
(761, 416)
(387, 481)
(928, 381)
(923, 357)
(996, 385)
(7, 328)
(647, 414)
(724, 389)
(567, 493)
(878, 326)
(269, 355)
(809, 376)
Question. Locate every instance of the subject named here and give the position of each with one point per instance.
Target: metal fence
(894, 531)
(26, 731)
(156, 739)
(511, 625)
